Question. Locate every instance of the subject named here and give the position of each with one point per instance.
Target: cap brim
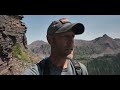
(77, 28)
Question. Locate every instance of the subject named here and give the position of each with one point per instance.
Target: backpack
(44, 65)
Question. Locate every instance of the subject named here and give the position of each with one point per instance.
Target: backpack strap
(77, 67)
(46, 70)
(43, 66)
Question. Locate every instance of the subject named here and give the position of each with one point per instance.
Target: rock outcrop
(12, 31)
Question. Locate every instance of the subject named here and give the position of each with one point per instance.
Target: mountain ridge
(98, 46)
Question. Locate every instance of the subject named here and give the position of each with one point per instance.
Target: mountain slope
(40, 47)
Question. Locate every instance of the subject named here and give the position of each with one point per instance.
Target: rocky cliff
(12, 32)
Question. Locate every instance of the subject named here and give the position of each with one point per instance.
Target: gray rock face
(12, 31)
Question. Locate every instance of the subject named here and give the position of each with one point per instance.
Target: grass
(19, 52)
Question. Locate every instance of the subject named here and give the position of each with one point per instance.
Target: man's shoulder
(84, 69)
(35, 69)
(32, 70)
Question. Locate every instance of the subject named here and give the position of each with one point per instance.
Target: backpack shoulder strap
(77, 67)
(43, 67)
(80, 68)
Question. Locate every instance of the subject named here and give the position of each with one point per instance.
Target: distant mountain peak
(38, 43)
(106, 36)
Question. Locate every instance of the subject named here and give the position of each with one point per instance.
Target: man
(60, 36)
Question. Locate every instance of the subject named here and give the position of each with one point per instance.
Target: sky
(95, 26)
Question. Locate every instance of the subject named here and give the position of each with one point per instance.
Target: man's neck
(58, 61)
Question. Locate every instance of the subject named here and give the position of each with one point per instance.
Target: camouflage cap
(63, 25)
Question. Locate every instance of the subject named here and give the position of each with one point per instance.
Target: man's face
(63, 44)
